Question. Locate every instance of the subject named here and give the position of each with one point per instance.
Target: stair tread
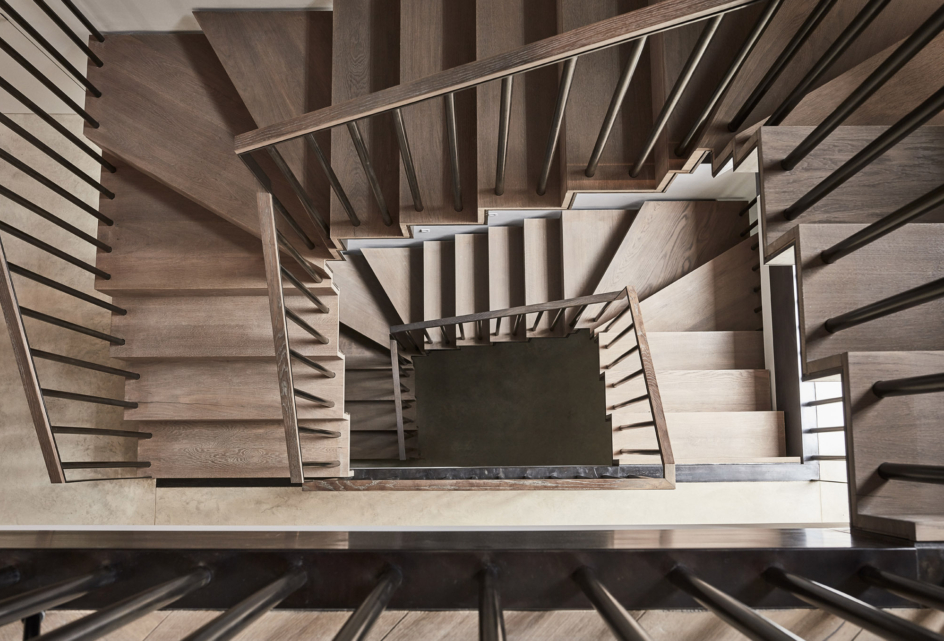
(365, 307)
(378, 416)
(910, 256)
(543, 270)
(472, 275)
(692, 350)
(732, 390)
(238, 449)
(505, 278)
(400, 272)
(372, 385)
(439, 288)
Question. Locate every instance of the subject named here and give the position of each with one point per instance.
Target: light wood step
(472, 283)
(908, 257)
(366, 40)
(367, 446)
(543, 271)
(365, 307)
(236, 327)
(238, 449)
(505, 279)
(436, 35)
(439, 289)
(730, 390)
(400, 272)
(379, 416)
(705, 437)
(373, 385)
(689, 350)
(361, 353)
(234, 390)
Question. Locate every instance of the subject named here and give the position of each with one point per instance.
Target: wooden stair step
(472, 275)
(366, 446)
(905, 172)
(193, 327)
(505, 279)
(502, 26)
(705, 437)
(718, 296)
(280, 63)
(909, 257)
(241, 390)
(238, 449)
(439, 289)
(365, 59)
(730, 390)
(437, 36)
(365, 308)
(400, 272)
(687, 350)
(361, 353)
(543, 271)
(379, 416)
(372, 385)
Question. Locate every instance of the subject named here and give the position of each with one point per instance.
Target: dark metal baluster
(623, 333)
(298, 189)
(491, 619)
(304, 290)
(628, 378)
(52, 51)
(559, 315)
(563, 93)
(320, 432)
(314, 399)
(616, 102)
(453, 138)
(407, 157)
(364, 156)
(113, 617)
(930, 384)
(615, 320)
(298, 320)
(504, 126)
(888, 68)
(622, 357)
(845, 40)
(59, 22)
(621, 623)
(333, 179)
(68, 360)
(891, 305)
(782, 62)
(49, 249)
(497, 326)
(885, 226)
(22, 605)
(537, 321)
(684, 148)
(576, 318)
(672, 101)
(95, 431)
(633, 426)
(602, 311)
(515, 325)
(52, 320)
(55, 220)
(266, 184)
(891, 137)
(921, 592)
(635, 399)
(324, 464)
(359, 624)
(304, 264)
(933, 474)
(86, 398)
(749, 228)
(85, 21)
(312, 364)
(639, 452)
(33, 276)
(32, 625)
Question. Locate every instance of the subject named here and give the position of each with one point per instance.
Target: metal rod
(333, 180)
(52, 320)
(497, 326)
(491, 618)
(324, 464)
(85, 21)
(921, 592)
(452, 135)
(22, 605)
(55, 220)
(605, 307)
(823, 401)
(672, 101)
(933, 474)
(313, 214)
(46, 82)
(633, 426)
(621, 623)
(840, 45)
(515, 325)
(33, 276)
(885, 226)
(461, 328)
(313, 398)
(266, 184)
(68, 360)
(559, 315)
(246, 612)
(113, 617)
(748, 207)
(930, 384)
(445, 335)
(298, 320)
(85, 398)
(823, 430)
(38, 111)
(563, 93)
(684, 148)
(893, 304)
(103, 465)
(853, 610)
(750, 228)
(304, 264)
(49, 249)
(623, 333)
(576, 318)
(740, 617)
(32, 625)
(312, 364)
(628, 378)
(361, 149)
(616, 103)
(504, 127)
(358, 626)
(320, 432)
(615, 320)
(304, 290)
(407, 157)
(884, 72)
(782, 62)
(537, 321)
(892, 136)
(52, 51)
(622, 357)
(41, 179)
(642, 452)
(629, 402)
(59, 22)
(95, 431)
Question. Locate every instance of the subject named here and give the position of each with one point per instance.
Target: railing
(273, 245)
(567, 48)
(24, 353)
(412, 338)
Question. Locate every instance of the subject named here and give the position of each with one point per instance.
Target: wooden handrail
(663, 16)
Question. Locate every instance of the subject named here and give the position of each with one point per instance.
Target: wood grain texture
(378, 416)
(472, 282)
(365, 307)
(383, 445)
(731, 390)
(505, 278)
(909, 169)
(400, 272)
(718, 296)
(705, 350)
(439, 287)
(372, 385)
(440, 36)
(366, 60)
(238, 449)
(335, 485)
(907, 258)
(543, 270)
